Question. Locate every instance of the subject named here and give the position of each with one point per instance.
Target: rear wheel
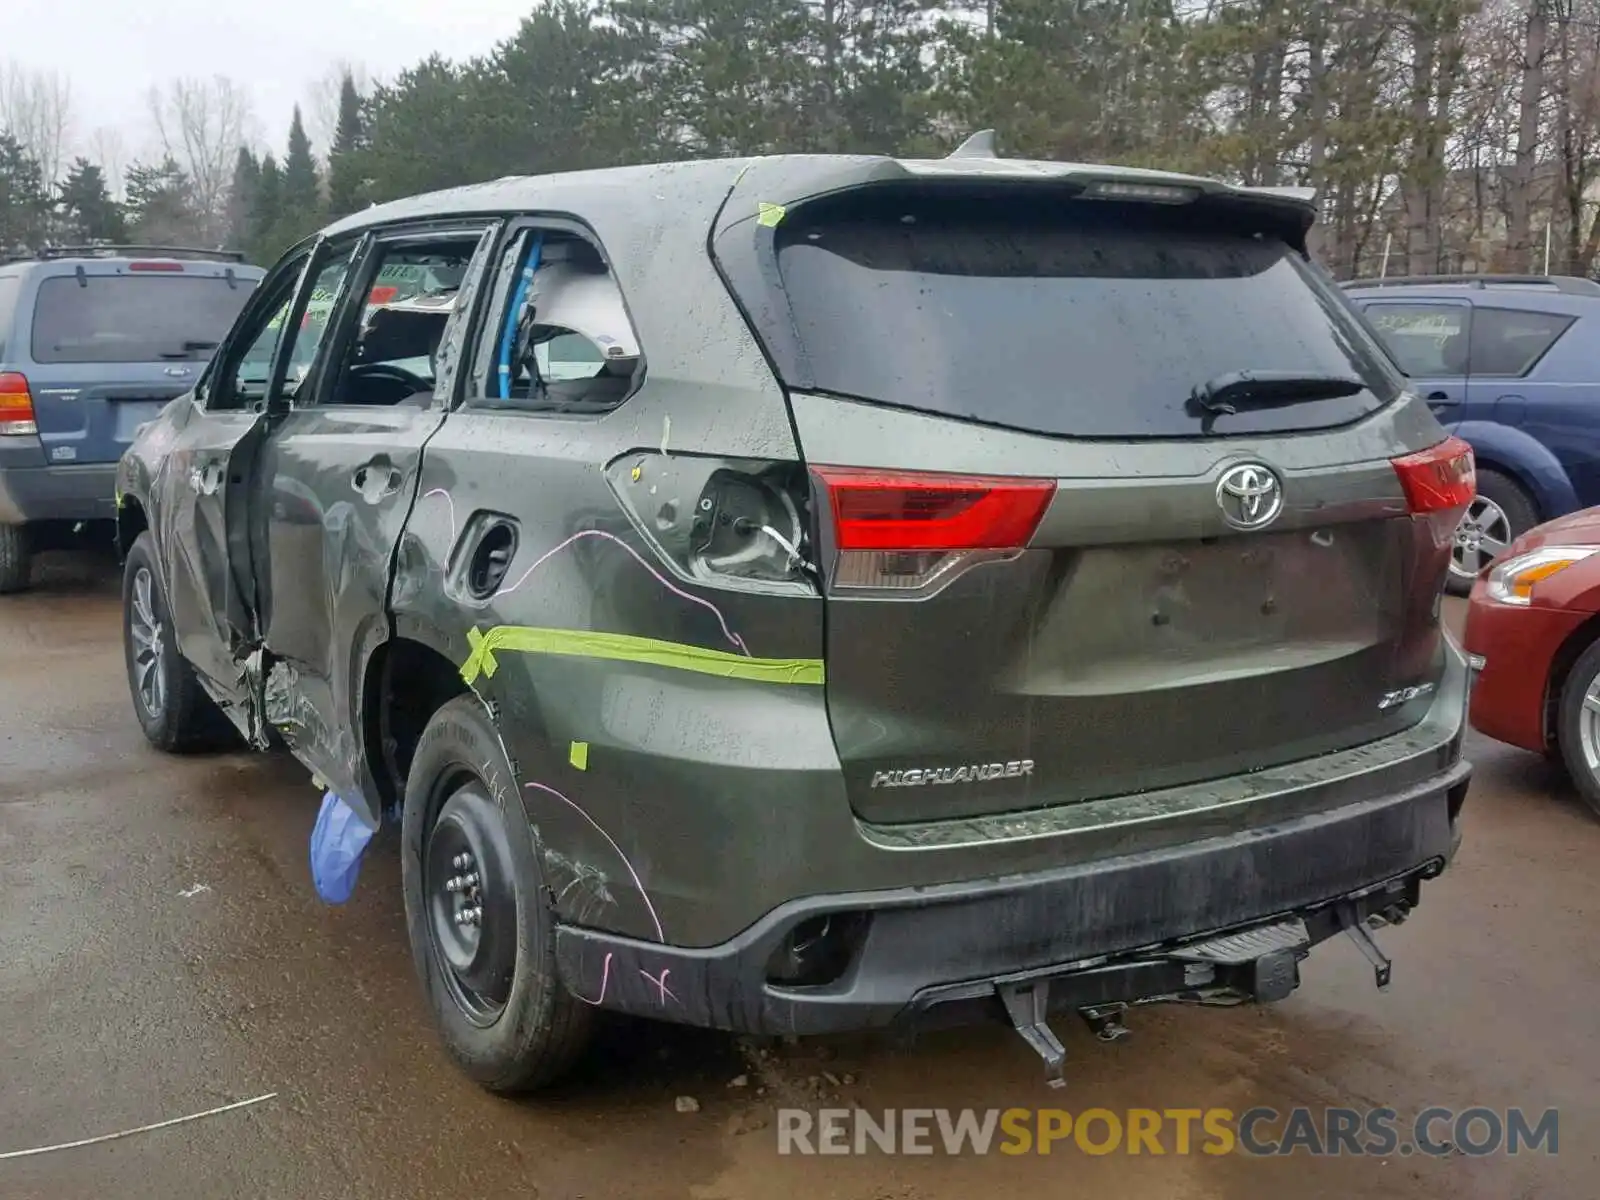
(482, 932)
(1578, 726)
(175, 713)
(15, 559)
(1500, 513)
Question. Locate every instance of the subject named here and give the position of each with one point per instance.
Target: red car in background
(1533, 639)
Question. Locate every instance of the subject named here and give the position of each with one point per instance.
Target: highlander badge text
(974, 773)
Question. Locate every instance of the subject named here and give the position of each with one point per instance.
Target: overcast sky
(112, 51)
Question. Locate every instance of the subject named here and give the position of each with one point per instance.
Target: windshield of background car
(134, 318)
(1074, 318)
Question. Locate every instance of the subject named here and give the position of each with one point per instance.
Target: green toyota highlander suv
(810, 593)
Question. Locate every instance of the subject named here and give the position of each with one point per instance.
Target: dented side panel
(332, 490)
(196, 508)
(329, 546)
(625, 755)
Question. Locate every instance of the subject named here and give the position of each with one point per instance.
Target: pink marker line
(452, 505)
(637, 882)
(605, 979)
(663, 991)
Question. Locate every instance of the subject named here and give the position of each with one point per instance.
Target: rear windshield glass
(1082, 319)
(134, 318)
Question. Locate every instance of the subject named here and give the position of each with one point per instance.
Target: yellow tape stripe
(622, 647)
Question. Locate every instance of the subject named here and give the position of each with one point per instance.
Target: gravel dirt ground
(162, 952)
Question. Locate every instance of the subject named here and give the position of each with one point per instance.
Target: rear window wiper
(1241, 390)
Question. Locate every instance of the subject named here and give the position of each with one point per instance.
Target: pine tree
(87, 211)
(24, 200)
(344, 161)
(160, 204)
(266, 212)
(242, 192)
(299, 172)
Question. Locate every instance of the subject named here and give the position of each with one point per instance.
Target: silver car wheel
(1482, 537)
(150, 680)
(1589, 727)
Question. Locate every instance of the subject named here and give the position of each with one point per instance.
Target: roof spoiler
(982, 145)
(979, 145)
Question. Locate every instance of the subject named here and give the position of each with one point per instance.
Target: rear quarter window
(10, 285)
(134, 318)
(1510, 342)
(1074, 318)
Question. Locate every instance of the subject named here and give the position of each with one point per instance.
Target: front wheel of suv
(1500, 513)
(15, 559)
(175, 713)
(482, 931)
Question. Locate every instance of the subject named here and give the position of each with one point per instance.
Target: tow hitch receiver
(1356, 928)
(1028, 1006)
(1262, 963)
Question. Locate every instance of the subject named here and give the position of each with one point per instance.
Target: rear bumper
(921, 954)
(85, 492)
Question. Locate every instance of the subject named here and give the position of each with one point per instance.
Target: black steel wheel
(477, 910)
(468, 878)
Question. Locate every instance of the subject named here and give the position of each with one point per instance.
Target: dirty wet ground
(162, 953)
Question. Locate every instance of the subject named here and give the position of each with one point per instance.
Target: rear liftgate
(1260, 964)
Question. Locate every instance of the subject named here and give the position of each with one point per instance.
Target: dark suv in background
(93, 341)
(1510, 364)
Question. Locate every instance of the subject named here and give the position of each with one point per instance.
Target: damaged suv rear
(818, 592)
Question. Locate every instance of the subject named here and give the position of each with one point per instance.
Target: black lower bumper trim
(931, 949)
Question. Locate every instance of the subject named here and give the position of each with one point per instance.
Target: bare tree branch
(321, 111)
(36, 109)
(107, 148)
(201, 123)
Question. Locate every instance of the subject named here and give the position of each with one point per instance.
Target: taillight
(16, 406)
(383, 294)
(1440, 478)
(155, 266)
(902, 529)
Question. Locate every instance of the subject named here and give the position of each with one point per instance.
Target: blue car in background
(1511, 363)
(94, 341)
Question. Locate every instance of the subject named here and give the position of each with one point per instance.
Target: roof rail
(124, 251)
(1571, 285)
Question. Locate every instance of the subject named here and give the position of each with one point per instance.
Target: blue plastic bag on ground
(338, 841)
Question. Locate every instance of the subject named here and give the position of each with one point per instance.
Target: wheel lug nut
(470, 880)
(453, 884)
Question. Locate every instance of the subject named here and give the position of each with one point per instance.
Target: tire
(505, 1017)
(16, 561)
(1578, 729)
(176, 714)
(1503, 511)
